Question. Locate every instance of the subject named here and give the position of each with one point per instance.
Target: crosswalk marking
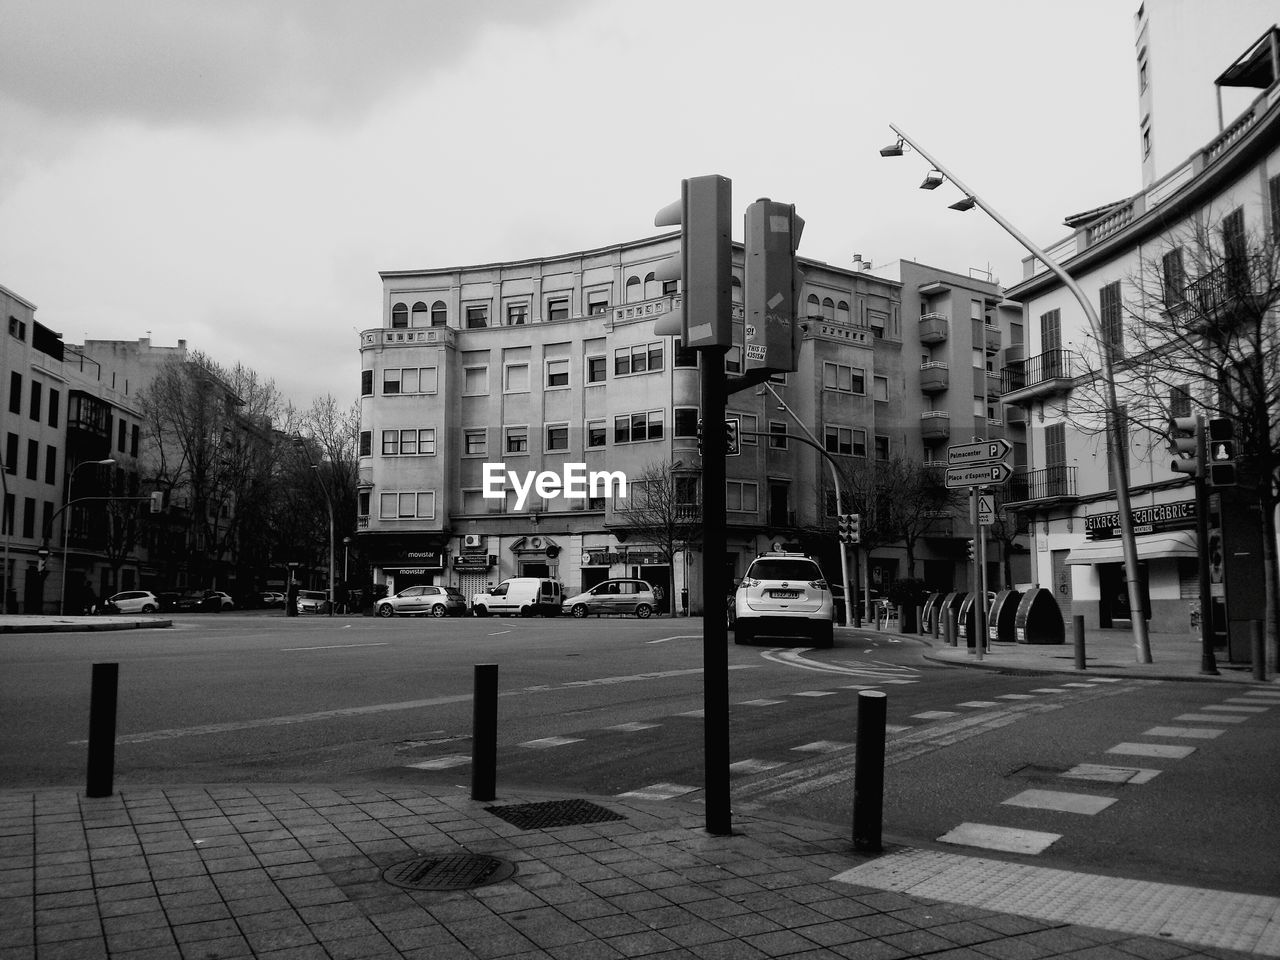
(934, 715)
(547, 742)
(1167, 750)
(1252, 701)
(1085, 803)
(991, 837)
(633, 727)
(822, 746)
(815, 693)
(1015, 696)
(1232, 709)
(658, 791)
(1211, 718)
(755, 766)
(442, 763)
(1109, 774)
(758, 703)
(1190, 733)
(979, 703)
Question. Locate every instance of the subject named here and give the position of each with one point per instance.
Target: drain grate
(554, 813)
(451, 871)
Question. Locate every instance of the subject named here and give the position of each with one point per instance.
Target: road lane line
(336, 646)
(682, 636)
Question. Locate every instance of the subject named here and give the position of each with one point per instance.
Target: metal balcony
(1044, 487)
(1044, 375)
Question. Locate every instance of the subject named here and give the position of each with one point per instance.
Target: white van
(525, 596)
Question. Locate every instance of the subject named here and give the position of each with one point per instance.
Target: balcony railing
(935, 425)
(406, 336)
(1045, 373)
(934, 376)
(933, 327)
(1049, 483)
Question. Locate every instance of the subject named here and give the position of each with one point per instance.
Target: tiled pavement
(294, 873)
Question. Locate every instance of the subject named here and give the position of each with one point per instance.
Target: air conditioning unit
(471, 540)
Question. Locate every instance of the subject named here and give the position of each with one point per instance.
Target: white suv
(783, 594)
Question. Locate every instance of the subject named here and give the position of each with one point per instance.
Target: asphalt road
(608, 706)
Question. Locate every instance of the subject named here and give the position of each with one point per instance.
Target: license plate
(785, 594)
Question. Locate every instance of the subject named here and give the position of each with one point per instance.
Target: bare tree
(663, 508)
(332, 436)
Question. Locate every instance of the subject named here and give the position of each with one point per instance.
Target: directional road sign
(980, 451)
(979, 475)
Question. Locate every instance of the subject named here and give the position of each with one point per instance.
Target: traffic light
(703, 265)
(850, 528)
(772, 289)
(973, 554)
(699, 436)
(157, 501)
(731, 447)
(1187, 443)
(1220, 453)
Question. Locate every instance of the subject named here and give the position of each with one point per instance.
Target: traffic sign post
(980, 451)
(978, 475)
(973, 465)
(986, 509)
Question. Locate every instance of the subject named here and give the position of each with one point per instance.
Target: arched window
(651, 287)
(735, 291)
(842, 311)
(812, 307)
(633, 289)
(419, 317)
(399, 315)
(439, 314)
(828, 308)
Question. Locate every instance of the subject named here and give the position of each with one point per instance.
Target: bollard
(1077, 622)
(920, 620)
(484, 732)
(868, 771)
(934, 619)
(1257, 650)
(948, 628)
(102, 730)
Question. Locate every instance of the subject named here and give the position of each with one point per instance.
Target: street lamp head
(963, 204)
(893, 150)
(933, 180)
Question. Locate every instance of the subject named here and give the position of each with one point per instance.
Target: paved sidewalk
(71, 623)
(293, 873)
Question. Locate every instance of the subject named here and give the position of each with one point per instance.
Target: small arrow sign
(979, 475)
(980, 451)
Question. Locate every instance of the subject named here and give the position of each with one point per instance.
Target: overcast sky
(236, 173)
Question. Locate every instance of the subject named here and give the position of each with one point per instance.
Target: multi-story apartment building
(65, 416)
(1225, 196)
(541, 364)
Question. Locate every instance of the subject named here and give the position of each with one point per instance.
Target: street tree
(663, 508)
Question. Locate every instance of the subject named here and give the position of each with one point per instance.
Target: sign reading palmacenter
(1157, 518)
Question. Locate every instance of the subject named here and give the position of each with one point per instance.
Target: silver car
(435, 600)
(623, 595)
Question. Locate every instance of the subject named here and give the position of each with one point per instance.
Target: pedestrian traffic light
(1186, 440)
(731, 447)
(973, 554)
(703, 265)
(1221, 452)
(699, 436)
(157, 501)
(771, 289)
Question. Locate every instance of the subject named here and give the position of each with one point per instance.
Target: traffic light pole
(1208, 663)
(715, 626)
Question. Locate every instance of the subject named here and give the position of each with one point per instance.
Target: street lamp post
(6, 521)
(835, 479)
(1120, 455)
(329, 503)
(66, 527)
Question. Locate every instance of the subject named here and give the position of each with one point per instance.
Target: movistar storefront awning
(1156, 546)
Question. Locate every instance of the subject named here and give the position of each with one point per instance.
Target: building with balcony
(551, 365)
(1137, 261)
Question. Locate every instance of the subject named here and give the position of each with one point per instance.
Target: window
(642, 358)
(51, 464)
(6, 522)
(390, 443)
(28, 517)
(1051, 331)
(439, 314)
(15, 392)
(686, 422)
(876, 321)
(133, 440)
(475, 443)
(748, 429)
(17, 329)
(399, 316)
(557, 373)
(597, 368)
(517, 439)
(597, 303)
(596, 433)
(777, 435)
(880, 389)
(415, 442)
(54, 397)
(11, 454)
(366, 383)
(558, 309)
(1274, 187)
(557, 436)
(33, 459)
(741, 496)
(390, 381)
(417, 380)
(37, 389)
(1180, 401)
(517, 314)
(366, 443)
(477, 316)
(407, 506)
(418, 316)
(1173, 278)
(1055, 445)
(838, 440)
(475, 381)
(685, 357)
(813, 307)
(633, 290)
(121, 435)
(515, 378)
(1235, 251)
(882, 448)
(1109, 312)
(635, 427)
(845, 379)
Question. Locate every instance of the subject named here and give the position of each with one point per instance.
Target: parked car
(176, 602)
(783, 594)
(621, 595)
(526, 596)
(132, 601)
(313, 601)
(215, 601)
(439, 601)
(271, 599)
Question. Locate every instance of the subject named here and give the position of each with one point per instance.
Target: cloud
(190, 61)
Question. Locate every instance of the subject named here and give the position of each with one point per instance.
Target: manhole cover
(554, 813)
(450, 871)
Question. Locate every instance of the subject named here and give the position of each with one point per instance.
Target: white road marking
(1190, 733)
(682, 636)
(547, 742)
(934, 715)
(500, 633)
(1048, 690)
(693, 713)
(1166, 750)
(1015, 696)
(1084, 803)
(758, 703)
(335, 646)
(754, 766)
(1212, 718)
(823, 746)
(1215, 918)
(442, 763)
(1252, 701)
(876, 671)
(1231, 709)
(658, 791)
(633, 727)
(815, 693)
(978, 703)
(1107, 774)
(991, 837)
